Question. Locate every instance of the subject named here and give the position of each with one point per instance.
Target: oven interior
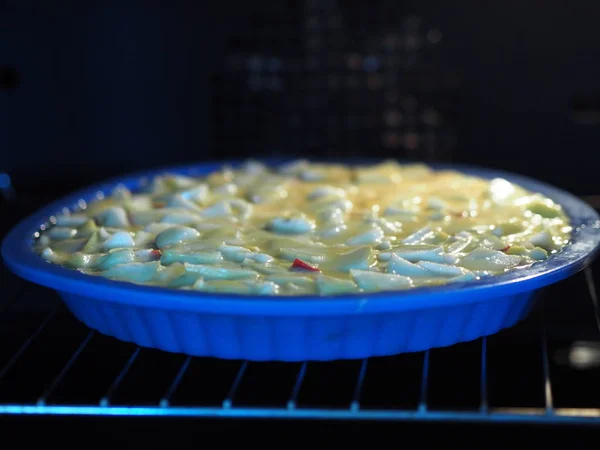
(105, 88)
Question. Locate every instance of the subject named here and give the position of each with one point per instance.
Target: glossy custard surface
(308, 229)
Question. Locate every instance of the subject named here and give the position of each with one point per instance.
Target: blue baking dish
(262, 328)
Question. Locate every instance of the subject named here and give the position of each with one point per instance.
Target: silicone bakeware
(261, 328)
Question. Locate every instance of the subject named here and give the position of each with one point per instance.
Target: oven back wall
(96, 89)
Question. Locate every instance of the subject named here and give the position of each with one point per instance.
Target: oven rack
(538, 372)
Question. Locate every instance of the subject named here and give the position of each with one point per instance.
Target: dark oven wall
(95, 89)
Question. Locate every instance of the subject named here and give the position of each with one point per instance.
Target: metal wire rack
(543, 370)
